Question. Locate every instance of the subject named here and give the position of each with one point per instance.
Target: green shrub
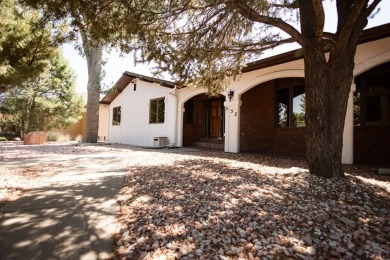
(52, 136)
(57, 137)
(2, 139)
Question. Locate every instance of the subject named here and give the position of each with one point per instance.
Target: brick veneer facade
(258, 132)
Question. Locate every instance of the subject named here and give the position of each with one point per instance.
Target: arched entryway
(372, 116)
(203, 121)
(272, 117)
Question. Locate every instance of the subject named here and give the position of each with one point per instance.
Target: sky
(117, 64)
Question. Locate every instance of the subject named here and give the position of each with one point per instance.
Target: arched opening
(372, 116)
(272, 117)
(203, 121)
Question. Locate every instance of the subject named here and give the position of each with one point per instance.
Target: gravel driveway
(213, 205)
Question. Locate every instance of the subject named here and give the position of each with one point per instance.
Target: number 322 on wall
(231, 111)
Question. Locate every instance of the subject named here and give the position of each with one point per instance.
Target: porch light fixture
(230, 95)
(134, 81)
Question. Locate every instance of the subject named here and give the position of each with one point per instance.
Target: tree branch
(355, 11)
(372, 7)
(253, 47)
(350, 27)
(320, 16)
(251, 14)
(294, 5)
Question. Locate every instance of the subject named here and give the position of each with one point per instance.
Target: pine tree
(45, 102)
(25, 47)
(82, 16)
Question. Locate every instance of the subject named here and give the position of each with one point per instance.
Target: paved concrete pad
(71, 216)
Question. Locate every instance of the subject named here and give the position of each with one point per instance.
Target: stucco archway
(186, 95)
(265, 77)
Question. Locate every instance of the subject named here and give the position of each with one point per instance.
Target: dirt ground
(214, 205)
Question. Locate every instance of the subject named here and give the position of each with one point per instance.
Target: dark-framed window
(372, 97)
(290, 102)
(189, 111)
(116, 116)
(157, 110)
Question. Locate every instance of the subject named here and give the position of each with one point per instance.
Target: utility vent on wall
(160, 141)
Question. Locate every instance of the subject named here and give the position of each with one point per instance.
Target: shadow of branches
(210, 208)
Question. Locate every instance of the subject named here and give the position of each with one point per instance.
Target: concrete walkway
(71, 216)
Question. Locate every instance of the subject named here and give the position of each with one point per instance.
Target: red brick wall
(258, 131)
(372, 143)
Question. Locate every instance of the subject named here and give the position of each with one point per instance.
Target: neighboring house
(263, 111)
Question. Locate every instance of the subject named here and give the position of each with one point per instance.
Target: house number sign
(231, 111)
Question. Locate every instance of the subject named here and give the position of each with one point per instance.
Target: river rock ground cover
(212, 205)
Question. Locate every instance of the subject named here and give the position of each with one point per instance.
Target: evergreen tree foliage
(82, 16)
(26, 46)
(47, 101)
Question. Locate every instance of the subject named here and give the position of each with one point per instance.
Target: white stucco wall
(135, 128)
(371, 54)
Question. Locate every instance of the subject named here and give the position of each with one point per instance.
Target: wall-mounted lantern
(230, 95)
(134, 81)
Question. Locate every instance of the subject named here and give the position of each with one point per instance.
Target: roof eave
(368, 35)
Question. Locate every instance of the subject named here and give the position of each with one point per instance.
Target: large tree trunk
(328, 79)
(327, 88)
(93, 53)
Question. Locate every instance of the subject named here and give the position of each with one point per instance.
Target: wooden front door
(215, 118)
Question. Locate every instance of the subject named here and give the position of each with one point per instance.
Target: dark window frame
(157, 117)
(116, 115)
(367, 99)
(289, 84)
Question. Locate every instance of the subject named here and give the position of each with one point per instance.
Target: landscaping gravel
(214, 205)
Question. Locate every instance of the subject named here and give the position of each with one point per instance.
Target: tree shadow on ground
(207, 209)
(275, 160)
(62, 220)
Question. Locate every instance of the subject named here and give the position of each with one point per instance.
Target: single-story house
(263, 111)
